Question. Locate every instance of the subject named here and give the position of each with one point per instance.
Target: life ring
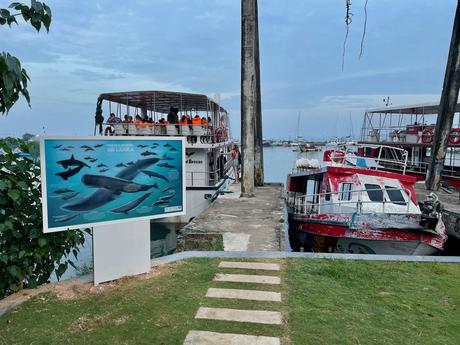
(454, 136)
(427, 136)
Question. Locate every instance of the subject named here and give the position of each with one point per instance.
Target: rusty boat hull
(371, 234)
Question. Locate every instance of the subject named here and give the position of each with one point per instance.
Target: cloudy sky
(194, 46)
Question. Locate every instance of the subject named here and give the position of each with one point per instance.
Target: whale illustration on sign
(102, 195)
(131, 205)
(115, 184)
(166, 165)
(154, 174)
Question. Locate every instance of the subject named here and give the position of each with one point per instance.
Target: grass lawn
(358, 302)
(324, 301)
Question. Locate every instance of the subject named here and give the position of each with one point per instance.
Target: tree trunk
(446, 110)
(258, 136)
(248, 81)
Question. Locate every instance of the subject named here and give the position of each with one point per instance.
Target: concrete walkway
(246, 224)
(266, 317)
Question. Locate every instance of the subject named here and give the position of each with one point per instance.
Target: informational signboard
(90, 181)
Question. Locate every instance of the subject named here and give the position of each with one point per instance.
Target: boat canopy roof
(162, 101)
(423, 108)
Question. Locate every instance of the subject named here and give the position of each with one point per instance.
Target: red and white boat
(309, 148)
(347, 206)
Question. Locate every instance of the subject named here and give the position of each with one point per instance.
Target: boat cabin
(339, 190)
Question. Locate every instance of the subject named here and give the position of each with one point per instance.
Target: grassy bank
(358, 302)
(324, 301)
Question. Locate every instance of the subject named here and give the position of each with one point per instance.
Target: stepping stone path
(213, 338)
(246, 278)
(267, 317)
(253, 295)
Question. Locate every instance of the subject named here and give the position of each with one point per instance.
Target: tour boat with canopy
(202, 121)
(349, 204)
(413, 128)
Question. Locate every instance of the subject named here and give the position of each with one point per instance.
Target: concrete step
(213, 338)
(238, 315)
(252, 295)
(246, 278)
(250, 265)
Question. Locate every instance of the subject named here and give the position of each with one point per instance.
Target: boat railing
(422, 168)
(194, 133)
(208, 178)
(313, 203)
(387, 156)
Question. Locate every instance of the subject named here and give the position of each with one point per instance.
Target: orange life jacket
(196, 121)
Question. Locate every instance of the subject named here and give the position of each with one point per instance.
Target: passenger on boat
(127, 119)
(111, 120)
(183, 120)
(138, 121)
(172, 116)
(196, 120)
(204, 121)
(146, 119)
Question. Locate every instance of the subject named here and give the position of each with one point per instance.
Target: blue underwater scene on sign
(92, 181)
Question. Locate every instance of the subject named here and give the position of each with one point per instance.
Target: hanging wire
(348, 21)
(364, 30)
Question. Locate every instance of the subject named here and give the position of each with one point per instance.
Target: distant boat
(309, 148)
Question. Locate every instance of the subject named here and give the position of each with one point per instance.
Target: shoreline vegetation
(323, 302)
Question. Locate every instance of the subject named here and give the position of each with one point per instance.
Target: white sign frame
(46, 229)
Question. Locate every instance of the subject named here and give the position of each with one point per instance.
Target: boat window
(374, 192)
(395, 195)
(345, 191)
(327, 197)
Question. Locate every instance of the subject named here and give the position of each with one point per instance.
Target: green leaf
(14, 194)
(25, 11)
(23, 185)
(47, 10)
(4, 13)
(13, 271)
(42, 242)
(61, 270)
(46, 19)
(13, 64)
(36, 22)
(14, 5)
